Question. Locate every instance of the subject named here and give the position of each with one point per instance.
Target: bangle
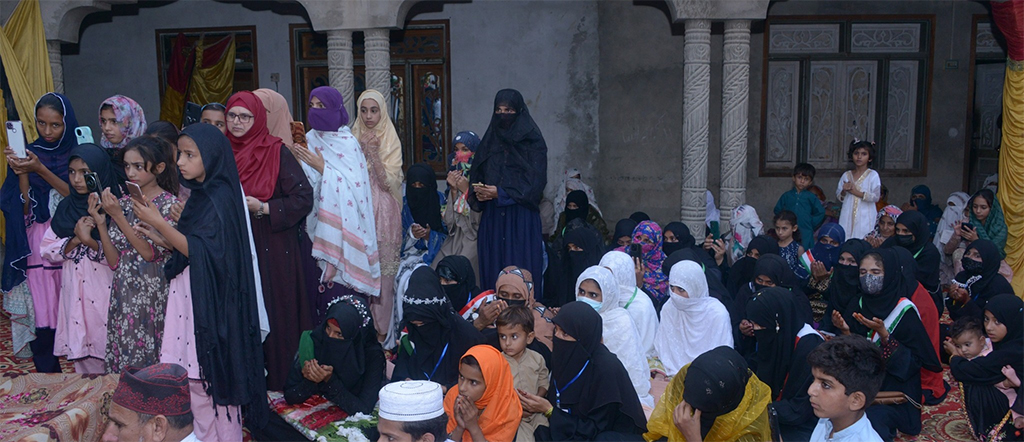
(548, 413)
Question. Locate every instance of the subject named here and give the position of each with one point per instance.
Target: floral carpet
(945, 422)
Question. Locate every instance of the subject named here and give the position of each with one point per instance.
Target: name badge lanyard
(430, 377)
(558, 391)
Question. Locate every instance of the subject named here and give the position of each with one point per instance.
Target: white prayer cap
(411, 401)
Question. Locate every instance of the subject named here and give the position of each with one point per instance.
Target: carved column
(696, 91)
(339, 63)
(378, 63)
(735, 92)
(56, 65)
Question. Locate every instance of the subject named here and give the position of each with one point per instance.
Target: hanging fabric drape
(26, 61)
(3, 162)
(213, 78)
(1009, 18)
(172, 105)
(27, 67)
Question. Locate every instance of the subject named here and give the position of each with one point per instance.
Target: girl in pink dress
(73, 242)
(28, 197)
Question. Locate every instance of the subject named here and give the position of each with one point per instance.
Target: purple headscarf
(333, 116)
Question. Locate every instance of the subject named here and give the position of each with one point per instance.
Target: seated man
(151, 404)
(412, 411)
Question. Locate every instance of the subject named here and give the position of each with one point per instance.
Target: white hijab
(636, 302)
(690, 326)
(619, 333)
(954, 211)
(745, 226)
(711, 212)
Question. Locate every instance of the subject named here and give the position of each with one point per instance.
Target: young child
(848, 372)
(515, 332)
(138, 298)
(967, 338)
(788, 232)
(804, 204)
(859, 189)
(482, 405)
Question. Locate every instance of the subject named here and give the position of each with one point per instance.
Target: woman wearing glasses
(278, 197)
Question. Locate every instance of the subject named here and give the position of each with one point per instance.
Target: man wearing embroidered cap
(412, 411)
(151, 404)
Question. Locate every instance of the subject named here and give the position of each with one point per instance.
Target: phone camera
(10, 126)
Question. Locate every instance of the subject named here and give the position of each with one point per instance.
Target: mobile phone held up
(298, 134)
(193, 114)
(16, 138)
(636, 251)
(135, 191)
(84, 135)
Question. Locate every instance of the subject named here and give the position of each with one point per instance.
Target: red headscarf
(257, 153)
(502, 410)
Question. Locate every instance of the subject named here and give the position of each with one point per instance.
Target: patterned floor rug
(945, 422)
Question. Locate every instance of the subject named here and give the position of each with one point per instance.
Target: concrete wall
(119, 56)
(549, 52)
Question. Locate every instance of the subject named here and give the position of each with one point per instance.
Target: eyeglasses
(243, 118)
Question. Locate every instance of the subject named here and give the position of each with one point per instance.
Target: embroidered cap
(411, 401)
(157, 389)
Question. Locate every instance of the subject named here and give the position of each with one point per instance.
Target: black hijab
(774, 309)
(1008, 309)
(894, 287)
(924, 252)
(991, 282)
(844, 289)
(624, 227)
(715, 384)
(76, 205)
(684, 236)
(588, 358)
(778, 270)
(512, 155)
(228, 343)
(639, 217)
(424, 202)
(458, 268)
(578, 197)
(346, 355)
(443, 338)
(574, 263)
(743, 270)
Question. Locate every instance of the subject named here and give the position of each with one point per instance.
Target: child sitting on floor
(515, 332)
(848, 372)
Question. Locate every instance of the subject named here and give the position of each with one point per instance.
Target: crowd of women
(319, 263)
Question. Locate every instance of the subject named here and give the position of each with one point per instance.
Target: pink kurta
(179, 342)
(84, 299)
(43, 278)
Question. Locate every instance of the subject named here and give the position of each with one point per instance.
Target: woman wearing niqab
(511, 163)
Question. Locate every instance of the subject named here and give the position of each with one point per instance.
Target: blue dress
(510, 234)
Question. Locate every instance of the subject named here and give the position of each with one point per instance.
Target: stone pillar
(339, 63)
(696, 91)
(56, 65)
(735, 93)
(378, 63)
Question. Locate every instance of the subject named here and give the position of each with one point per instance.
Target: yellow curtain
(213, 81)
(1011, 170)
(172, 104)
(26, 61)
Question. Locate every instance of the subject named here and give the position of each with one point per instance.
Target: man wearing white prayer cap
(412, 411)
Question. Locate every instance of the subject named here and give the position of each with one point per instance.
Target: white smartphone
(16, 138)
(135, 191)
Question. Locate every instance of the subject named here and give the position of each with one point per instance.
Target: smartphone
(135, 191)
(16, 138)
(299, 134)
(84, 135)
(193, 113)
(715, 229)
(966, 226)
(636, 251)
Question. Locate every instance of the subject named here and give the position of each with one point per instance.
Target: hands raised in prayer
(875, 324)
(314, 372)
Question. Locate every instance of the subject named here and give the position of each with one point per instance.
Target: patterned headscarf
(745, 227)
(890, 211)
(655, 282)
(130, 119)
